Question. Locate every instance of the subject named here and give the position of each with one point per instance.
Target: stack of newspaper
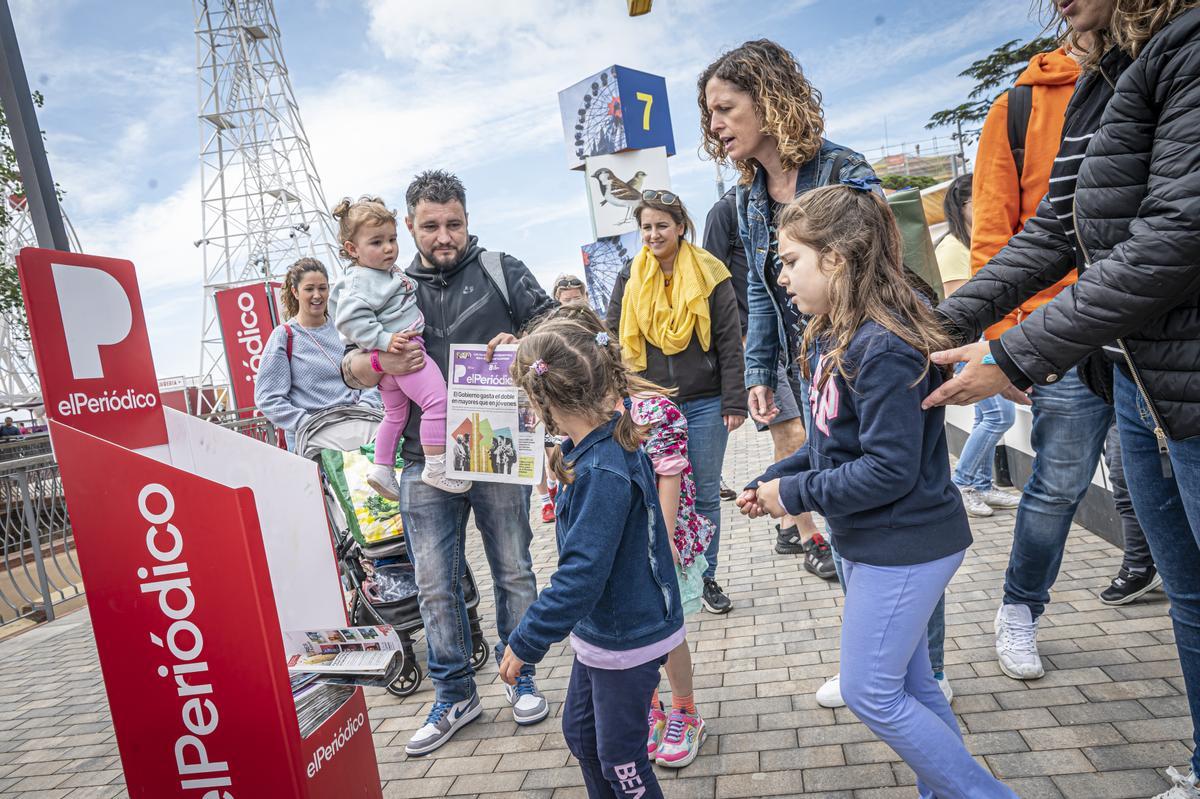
(326, 665)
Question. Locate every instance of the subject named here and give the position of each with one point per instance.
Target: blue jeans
(993, 417)
(935, 631)
(887, 680)
(1169, 511)
(435, 534)
(1069, 426)
(604, 725)
(707, 438)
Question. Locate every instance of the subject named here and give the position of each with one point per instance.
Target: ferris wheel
(599, 127)
(603, 261)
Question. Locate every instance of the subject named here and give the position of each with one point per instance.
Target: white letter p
(95, 312)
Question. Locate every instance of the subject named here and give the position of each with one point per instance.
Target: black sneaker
(787, 542)
(715, 600)
(727, 493)
(1128, 586)
(818, 557)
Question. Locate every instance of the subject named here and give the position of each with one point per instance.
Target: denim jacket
(615, 586)
(766, 337)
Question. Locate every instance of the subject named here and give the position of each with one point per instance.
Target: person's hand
(977, 380)
(497, 340)
(747, 502)
(510, 666)
(768, 498)
(399, 340)
(762, 404)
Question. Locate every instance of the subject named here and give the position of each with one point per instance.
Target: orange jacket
(1000, 203)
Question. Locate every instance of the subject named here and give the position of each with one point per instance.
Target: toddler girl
(877, 468)
(615, 591)
(377, 310)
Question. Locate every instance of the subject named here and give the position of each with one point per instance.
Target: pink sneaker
(658, 725)
(681, 743)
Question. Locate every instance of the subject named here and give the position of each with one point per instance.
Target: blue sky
(389, 87)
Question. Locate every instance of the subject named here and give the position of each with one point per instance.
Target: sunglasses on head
(568, 283)
(665, 197)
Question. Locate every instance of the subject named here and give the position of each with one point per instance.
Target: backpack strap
(839, 162)
(492, 263)
(1020, 106)
(290, 335)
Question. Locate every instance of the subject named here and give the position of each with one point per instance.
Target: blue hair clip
(602, 339)
(862, 184)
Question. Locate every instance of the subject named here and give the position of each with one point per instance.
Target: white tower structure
(18, 371)
(261, 200)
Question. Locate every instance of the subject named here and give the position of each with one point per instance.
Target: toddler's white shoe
(382, 480)
(434, 474)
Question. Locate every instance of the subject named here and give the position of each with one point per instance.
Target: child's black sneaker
(818, 557)
(1129, 585)
(714, 598)
(787, 542)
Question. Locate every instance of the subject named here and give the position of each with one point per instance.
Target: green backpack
(919, 259)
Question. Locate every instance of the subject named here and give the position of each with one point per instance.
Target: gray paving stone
(1109, 713)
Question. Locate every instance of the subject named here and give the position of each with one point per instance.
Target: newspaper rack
(197, 545)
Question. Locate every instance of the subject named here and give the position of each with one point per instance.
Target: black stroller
(377, 573)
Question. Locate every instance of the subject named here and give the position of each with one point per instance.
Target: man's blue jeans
(1069, 426)
(435, 533)
(993, 417)
(1168, 509)
(707, 438)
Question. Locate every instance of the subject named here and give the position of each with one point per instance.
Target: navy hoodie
(876, 466)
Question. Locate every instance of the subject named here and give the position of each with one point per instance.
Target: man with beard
(468, 296)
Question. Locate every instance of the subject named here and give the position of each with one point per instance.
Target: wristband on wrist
(375, 361)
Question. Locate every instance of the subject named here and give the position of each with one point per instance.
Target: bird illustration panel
(615, 184)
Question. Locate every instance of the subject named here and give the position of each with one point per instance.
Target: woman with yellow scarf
(675, 311)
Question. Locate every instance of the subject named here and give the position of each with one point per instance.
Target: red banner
(93, 353)
(185, 624)
(247, 316)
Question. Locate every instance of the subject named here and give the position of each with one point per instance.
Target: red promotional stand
(198, 546)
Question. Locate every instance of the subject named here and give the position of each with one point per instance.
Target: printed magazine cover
(491, 432)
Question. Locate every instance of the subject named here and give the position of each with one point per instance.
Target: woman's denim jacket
(766, 337)
(615, 586)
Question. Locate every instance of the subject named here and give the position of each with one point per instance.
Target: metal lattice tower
(261, 200)
(18, 371)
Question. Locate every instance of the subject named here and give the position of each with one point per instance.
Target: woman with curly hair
(759, 111)
(1123, 206)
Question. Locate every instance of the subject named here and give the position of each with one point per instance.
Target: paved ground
(1102, 723)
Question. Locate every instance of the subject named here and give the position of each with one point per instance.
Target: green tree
(11, 304)
(900, 182)
(994, 74)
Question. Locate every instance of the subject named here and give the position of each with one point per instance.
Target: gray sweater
(371, 304)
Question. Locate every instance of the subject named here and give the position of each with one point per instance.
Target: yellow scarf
(648, 314)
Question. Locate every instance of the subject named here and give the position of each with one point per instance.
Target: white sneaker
(973, 502)
(434, 474)
(1183, 787)
(947, 691)
(830, 694)
(996, 498)
(1016, 643)
(382, 480)
(443, 721)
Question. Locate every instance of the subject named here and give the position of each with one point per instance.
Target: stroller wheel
(409, 680)
(481, 652)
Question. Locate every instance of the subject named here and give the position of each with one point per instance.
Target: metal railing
(39, 569)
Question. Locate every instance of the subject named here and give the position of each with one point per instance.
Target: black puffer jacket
(1137, 212)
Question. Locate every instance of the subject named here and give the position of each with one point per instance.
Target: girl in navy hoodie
(877, 469)
(615, 591)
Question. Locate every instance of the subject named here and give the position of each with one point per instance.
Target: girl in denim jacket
(615, 592)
